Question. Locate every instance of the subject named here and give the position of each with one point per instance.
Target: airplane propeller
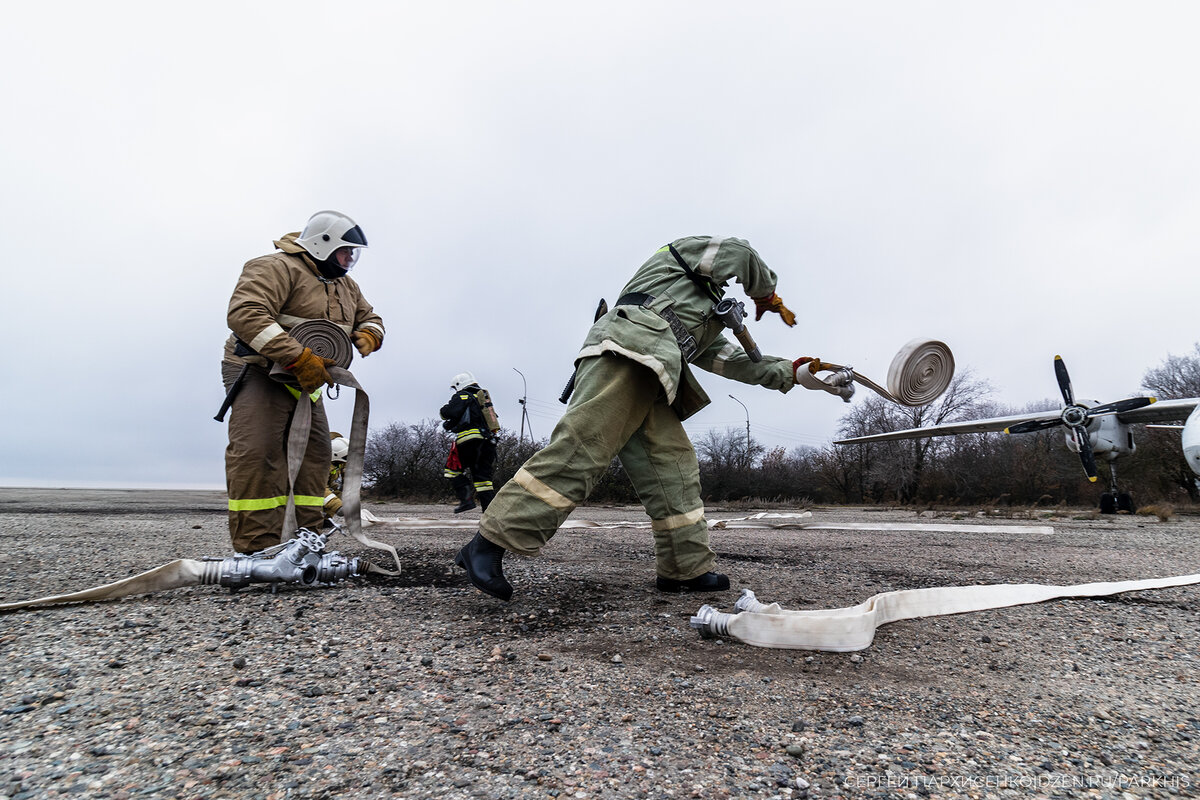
(1076, 417)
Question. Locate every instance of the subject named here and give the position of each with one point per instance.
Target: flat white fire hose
(918, 375)
(173, 575)
(328, 340)
(853, 628)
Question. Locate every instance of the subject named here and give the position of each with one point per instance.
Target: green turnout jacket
(642, 335)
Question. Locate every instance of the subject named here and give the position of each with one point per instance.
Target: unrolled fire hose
(302, 560)
(328, 340)
(853, 628)
(918, 375)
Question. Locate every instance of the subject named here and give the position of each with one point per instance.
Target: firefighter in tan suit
(305, 279)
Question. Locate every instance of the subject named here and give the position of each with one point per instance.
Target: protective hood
(287, 243)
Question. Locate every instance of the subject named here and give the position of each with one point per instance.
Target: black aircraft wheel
(1108, 503)
(1125, 503)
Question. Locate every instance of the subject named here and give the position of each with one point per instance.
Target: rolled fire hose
(328, 340)
(853, 628)
(918, 375)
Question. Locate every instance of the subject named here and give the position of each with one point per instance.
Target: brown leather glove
(333, 505)
(366, 341)
(310, 371)
(773, 302)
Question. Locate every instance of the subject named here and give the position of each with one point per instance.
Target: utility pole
(524, 409)
(743, 405)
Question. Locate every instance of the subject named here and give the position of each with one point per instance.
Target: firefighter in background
(305, 279)
(633, 388)
(470, 415)
(340, 446)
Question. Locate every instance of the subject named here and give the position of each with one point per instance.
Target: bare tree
(1176, 377)
(897, 467)
(407, 460)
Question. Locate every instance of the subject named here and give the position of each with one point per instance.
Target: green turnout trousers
(256, 464)
(618, 409)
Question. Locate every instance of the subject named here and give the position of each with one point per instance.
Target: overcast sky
(1018, 180)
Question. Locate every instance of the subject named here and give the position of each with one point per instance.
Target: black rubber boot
(481, 559)
(485, 497)
(462, 489)
(708, 582)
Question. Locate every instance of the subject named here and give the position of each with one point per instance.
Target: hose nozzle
(732, 313)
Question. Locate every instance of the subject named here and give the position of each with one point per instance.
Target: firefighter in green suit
(633, 387)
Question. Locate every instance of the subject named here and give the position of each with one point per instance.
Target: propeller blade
(1064, 381)
(1085, 453)
(1033, 425)
(1121, 406)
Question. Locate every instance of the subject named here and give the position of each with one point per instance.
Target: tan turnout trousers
(256, 471)
(618, 409)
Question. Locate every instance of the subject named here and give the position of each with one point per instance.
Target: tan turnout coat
(278, 291)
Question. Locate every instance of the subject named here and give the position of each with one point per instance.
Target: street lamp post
(524, 408)
(743, 405)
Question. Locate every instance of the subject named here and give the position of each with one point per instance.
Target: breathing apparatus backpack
(490, 420)
(489, 413)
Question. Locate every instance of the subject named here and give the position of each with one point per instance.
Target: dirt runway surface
(590, 683)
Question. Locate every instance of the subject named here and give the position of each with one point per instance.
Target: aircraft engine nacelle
(1191, 440)
(1112, 438)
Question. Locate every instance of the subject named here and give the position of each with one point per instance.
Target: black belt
(687, 342)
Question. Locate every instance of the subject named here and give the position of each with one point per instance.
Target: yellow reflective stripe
(451, 473)
(265, 503)
(468, 434)
(678, 520)
(483, 486)
(541, 491)
(315, 396)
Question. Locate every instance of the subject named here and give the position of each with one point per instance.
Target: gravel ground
(590, 683)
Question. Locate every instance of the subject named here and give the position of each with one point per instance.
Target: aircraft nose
(1190, 441)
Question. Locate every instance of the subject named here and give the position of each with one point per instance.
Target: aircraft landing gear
(1114, 502)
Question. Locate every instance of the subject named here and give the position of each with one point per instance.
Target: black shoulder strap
(705, 283)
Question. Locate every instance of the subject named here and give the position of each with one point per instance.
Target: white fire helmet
(326, 231)
(461, 381)
(341, 448)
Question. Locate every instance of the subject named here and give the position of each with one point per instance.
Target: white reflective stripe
(541, 491)
(372, 326)
(710, 255)
(678, 520)
(330, 496)
(290, 321)
(718, 365)
(268, 333)
(660, 369)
